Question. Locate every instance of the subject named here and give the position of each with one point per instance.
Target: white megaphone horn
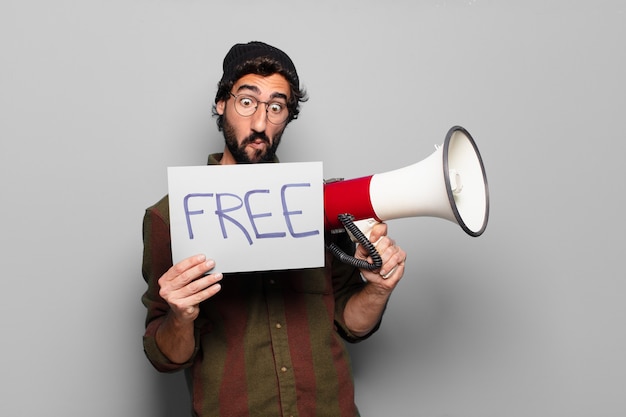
(450, 184)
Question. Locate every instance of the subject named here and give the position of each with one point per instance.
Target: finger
(200, 286)
(182, 266)
(180, 275)
(392, 257)
(187, 299)
(206, 293)
(194, 271)
(390, 273)
(384, 243)
(379, 246)
(396, 272)
(378, 231)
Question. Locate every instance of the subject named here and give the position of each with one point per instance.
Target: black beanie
(243, 52)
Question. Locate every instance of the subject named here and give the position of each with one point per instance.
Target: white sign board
(248, 217)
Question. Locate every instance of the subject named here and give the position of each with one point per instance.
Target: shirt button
(278, 326)
(283, 369)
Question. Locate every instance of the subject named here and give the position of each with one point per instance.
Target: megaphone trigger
(365, 226)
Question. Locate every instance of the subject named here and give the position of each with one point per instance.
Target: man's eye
(246, 102)
(275, 107)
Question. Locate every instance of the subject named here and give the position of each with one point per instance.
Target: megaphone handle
(348, 222)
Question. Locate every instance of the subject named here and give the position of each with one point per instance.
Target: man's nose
(259, 118)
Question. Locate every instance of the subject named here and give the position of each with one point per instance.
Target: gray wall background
(98, 97)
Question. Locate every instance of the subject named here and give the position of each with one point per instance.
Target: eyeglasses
(246, 106)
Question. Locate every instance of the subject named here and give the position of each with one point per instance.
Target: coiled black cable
(348, 222)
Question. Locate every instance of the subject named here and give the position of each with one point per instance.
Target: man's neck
(227, 158)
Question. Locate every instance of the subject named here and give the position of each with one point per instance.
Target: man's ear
(219, 107)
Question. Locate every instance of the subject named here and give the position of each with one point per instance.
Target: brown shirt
(269, 343)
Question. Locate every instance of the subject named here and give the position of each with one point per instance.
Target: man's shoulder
(161, 208)
(215, 158)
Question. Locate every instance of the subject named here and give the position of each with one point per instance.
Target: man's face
(253, 138)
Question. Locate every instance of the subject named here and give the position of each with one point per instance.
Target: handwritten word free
(230, 209)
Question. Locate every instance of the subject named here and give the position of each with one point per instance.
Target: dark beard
(239, 151)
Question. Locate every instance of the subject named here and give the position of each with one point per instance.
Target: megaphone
(450, 184)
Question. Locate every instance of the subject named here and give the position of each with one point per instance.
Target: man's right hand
(187, 284)
(184, 286)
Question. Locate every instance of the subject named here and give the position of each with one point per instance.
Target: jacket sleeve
(157, 259)
(347, 282)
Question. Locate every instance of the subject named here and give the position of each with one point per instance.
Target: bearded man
(268, 343)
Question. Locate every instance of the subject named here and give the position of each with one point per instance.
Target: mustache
(257, 135)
